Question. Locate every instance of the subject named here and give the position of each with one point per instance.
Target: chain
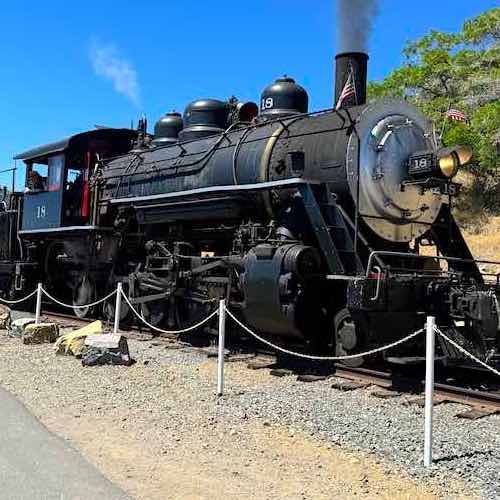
(169, 332)
(322, 358)
(80, 306)
(19, 300)
(467, 353)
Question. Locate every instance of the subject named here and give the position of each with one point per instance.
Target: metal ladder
(341, 237)
(332, 232)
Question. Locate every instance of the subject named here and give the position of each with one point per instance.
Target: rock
(40, 334)
(258, 364)
(106, 349)
(348, 385)
(281, 372)
(213, 352)
(4, 317)
(385, 393)
(73, 343)
(477, 412)
(17, 327)
(308, 377)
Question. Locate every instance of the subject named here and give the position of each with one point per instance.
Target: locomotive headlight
(450, 159)
(448, 165)
(443, 164)
(464, 154)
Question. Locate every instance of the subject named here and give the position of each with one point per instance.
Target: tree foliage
(458, 70)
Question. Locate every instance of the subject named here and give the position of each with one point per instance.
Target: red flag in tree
(456, 115)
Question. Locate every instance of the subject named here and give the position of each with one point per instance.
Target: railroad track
(69, 320)
(482, 402)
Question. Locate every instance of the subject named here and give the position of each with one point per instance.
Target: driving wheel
(348, 338)
(84, 293)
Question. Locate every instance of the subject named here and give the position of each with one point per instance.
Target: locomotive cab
(57, 193)
(43, 192)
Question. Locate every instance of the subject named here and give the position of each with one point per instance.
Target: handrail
(418, 256)
(379, 276)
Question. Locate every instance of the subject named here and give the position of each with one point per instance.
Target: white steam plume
(354, 23)
(107, 63)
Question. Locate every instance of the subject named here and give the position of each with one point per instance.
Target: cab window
(45, 177)
(36, 177)
(74, 176)
(56, 168)
(73, 193)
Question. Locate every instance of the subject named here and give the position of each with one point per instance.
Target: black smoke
(354, 24)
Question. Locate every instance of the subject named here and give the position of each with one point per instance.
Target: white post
(429, 388)
(118, 304)
(38, 309)
(222, 334)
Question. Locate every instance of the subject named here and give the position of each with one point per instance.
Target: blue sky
(176, 51)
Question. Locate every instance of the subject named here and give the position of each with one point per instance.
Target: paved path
(37, 465)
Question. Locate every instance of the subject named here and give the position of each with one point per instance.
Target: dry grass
(484, 242)
(481, 228)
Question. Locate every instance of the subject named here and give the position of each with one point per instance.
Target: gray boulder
(106, 349)
(4, 317)
(17, 326)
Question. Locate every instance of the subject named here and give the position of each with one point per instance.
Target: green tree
(461, 70)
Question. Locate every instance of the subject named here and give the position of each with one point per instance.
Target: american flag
(348, 91)
(455, 114)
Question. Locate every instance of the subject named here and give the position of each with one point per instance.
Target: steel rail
(443, 392)
(468, 396)
(129, 331)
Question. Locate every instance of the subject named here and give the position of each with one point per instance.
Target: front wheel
(348, 338)
(154, 312)
(110, 305)
(84, 293)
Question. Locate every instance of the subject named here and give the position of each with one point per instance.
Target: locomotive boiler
(332, 229)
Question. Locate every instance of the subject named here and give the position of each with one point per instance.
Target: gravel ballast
(392, 429)
(165, 404)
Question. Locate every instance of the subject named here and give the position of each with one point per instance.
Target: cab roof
(41, 153)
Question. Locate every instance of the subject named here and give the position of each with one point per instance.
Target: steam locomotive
(329, 229)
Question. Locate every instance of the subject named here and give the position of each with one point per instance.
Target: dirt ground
(155, 430)
(258, 463)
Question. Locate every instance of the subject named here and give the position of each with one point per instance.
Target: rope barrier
(83, 306)
(255, 335)
(169, 332)
(322, 358)
(19, 300)
(467, 353)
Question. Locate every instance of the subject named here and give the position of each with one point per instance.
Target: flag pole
(351, 69)
(445, 120)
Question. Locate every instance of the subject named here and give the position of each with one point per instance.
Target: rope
(467, 353)
(322, 358)
(169, 332)
(19, 300)
(83, 306)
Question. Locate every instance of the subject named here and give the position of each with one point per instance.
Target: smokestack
(345, 64)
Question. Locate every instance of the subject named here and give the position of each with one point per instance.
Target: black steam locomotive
(332, 229)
